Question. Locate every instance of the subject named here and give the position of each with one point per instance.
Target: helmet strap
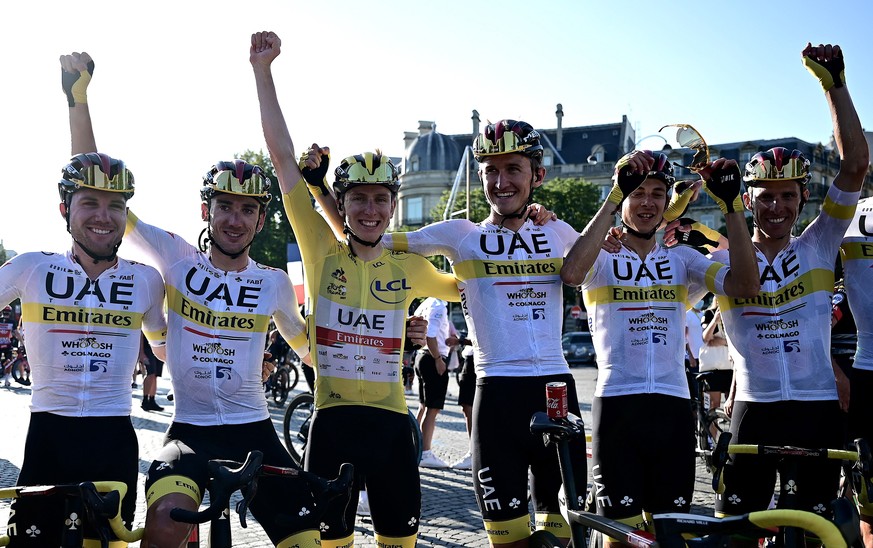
(644, 235)
(348, 231)
(206, 240)
(522, 213)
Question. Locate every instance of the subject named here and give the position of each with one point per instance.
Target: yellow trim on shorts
(173, 484)
(309, 538)
(395, 542)
(513, 530)
(553, 523)
(347, 542)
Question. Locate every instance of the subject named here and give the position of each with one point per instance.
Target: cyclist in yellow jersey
(357, 297)
(784, 390)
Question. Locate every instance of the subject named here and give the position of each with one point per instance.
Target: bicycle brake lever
(243, 505)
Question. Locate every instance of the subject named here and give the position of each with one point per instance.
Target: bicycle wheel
(719, 422)
(416, 436)
(298, 417)
(280, 387)
(21, 377)
(543, 539)
(293, 376)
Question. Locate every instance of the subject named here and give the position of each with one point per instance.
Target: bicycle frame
(669, 528)
(102, 508)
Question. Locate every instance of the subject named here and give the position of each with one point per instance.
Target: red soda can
(556, 400)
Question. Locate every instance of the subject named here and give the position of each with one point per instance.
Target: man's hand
(266, 46)
(416, 330)
(313, 165)
(630, 172)
(440, 366)
(826, 63)
(723, 184)
(539, 214)
(267, 367)
(684, 192)
(612, 242)
(76, 71)
(687, 231)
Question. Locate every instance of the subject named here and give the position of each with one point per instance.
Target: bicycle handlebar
(230, 476)
(101, 500)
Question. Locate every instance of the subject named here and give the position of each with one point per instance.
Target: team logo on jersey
(791, 346)
(223, 372)
(339, 274)
(74, 368)
(98, 366)
(519, 317)
(202, 374)
(539, 313)
(335, 289)
(659, 338)
(390, 292)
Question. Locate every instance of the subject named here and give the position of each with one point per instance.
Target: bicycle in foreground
(674, 530)
(96, 503)
(227, 477)
(857, 468)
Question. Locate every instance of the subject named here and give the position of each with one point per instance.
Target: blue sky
(173, 91)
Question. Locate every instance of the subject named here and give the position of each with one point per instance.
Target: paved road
(449, 518)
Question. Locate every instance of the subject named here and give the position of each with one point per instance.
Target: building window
(745, 158)
(414, 211)
(413, 163)
(547, 160)
(708, 220)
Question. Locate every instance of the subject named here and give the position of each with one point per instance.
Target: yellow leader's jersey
(356, 311)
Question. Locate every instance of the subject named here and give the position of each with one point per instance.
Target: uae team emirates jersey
(511, 289)
(218, 324)
(857, 253)
(636, 311)
(83, 335)
(780, 339)
(356, 311)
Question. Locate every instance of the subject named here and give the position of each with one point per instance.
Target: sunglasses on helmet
(96, 179)
(256, 185)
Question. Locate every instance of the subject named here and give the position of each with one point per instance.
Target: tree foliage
(270, 245)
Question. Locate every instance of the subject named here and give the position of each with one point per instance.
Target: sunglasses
(95, 178)
(256, 185)
(688, 137)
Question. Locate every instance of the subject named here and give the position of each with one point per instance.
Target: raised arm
(630, 172)
(826, 63)
(265, 47)
(76, 72)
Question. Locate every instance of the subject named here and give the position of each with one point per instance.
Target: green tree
(2, 253)
(270, 246)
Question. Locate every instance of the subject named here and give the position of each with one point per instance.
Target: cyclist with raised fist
(636, 300)
(220, 303)
(357, 293)
(785, 391)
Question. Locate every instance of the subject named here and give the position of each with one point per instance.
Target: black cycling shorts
(188, 448)
(642, 448)
(860, 408)
(380, 445)
(432, 386)
(467, 382)
(504, 449)
(809, 484)
(63, 450)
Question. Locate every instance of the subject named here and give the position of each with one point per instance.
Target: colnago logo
(776, 325)
(87, 342)
(213, 348)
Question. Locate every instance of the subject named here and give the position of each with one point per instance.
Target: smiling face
(508, 180)
(233, 220)
(643, 209)
(97, 220)
(368, 210)
(775, 207)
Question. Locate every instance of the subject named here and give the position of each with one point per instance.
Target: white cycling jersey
(511, 289)
(83, 335)
(636, 311)
(218, 325)
(780, 340)
(857, 252)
